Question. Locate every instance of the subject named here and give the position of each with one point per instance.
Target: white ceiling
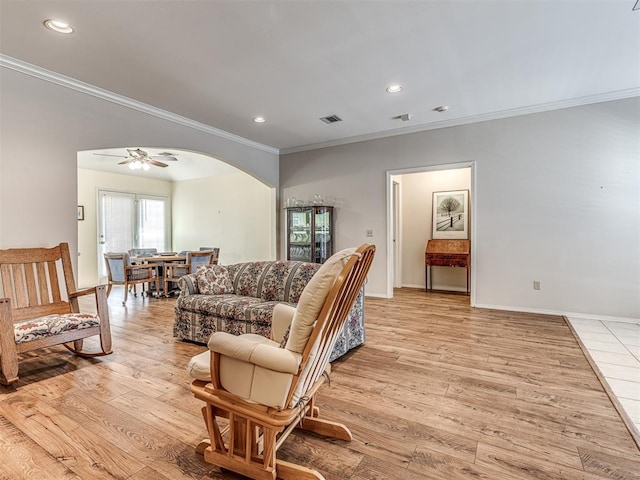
(189, 165)
(222, 63)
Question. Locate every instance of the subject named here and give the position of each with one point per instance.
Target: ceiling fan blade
(136, 152)
(110, 155)
(151, 161)
(124, 162)
(164, 158)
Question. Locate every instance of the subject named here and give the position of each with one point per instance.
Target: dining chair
(142, 252)
(121, 272)
(216, 253)
(173, 271)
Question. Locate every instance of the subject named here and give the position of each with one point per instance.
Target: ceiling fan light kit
(138, 165)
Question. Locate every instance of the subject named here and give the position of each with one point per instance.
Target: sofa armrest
(256, 350)
(188, 285)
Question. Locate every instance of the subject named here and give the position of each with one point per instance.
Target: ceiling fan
(138, 159)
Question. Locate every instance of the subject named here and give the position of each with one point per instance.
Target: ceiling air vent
(331, 119)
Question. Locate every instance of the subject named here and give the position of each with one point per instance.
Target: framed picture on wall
(80, 212)
(451, 215)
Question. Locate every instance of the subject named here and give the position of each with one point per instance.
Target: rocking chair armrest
(280, 320)
(276, 358)
(258, 352)
(84, 291)
(100, 292)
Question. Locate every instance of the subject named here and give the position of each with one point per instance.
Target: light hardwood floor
(439, 391)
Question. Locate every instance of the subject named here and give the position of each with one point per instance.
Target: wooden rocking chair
(38, 311)
(264, 389)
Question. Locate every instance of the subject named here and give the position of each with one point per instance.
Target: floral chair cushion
(49, 325)
(213, 280)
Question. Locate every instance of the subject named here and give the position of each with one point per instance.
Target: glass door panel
(127, 220)
(309, 233)
(152, 223)
(323, 246)
(116, 225)
(300, 234)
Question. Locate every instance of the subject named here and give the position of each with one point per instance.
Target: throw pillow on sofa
(213, 280)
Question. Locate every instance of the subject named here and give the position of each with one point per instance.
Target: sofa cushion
(313, 298)
(281, 281)
(248, 309)
(213, 280)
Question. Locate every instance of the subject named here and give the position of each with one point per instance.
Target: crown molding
(82, 87)
(71, 83)
(453, 122)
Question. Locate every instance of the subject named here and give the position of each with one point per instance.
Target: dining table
(160, 260)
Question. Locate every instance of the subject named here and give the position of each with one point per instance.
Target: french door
(130, 220)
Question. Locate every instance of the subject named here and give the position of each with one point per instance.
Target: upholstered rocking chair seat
(43, 327)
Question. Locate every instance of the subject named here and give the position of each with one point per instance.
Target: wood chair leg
(77, 345)
(105, 323)
(8, 352)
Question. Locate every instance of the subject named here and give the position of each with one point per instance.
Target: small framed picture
(451, 215)
(80, 212)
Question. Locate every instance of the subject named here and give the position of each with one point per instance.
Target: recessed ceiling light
(394, 88)
(58, 26)
(441, 109)
(259, 120)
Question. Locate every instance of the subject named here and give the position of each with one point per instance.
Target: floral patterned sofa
(240, 299)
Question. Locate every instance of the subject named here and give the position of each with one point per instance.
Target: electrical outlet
(369, 233)
(536, 284)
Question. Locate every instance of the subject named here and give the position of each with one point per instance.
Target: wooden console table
(447, 253)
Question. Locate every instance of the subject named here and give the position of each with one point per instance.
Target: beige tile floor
(614, 346)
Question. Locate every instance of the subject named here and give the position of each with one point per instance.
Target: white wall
(234, 212)
(89, 182)
(43, 125)
(557, 200)
(417, 198)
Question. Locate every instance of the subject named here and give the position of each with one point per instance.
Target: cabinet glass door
(300, 233)
(322, 235)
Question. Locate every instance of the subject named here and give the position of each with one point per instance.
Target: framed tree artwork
(451, 215)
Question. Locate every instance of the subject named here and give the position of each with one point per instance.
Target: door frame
(390, 218)
(397, 232)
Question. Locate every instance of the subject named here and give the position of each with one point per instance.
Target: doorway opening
(409, 221)
(197, 200)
